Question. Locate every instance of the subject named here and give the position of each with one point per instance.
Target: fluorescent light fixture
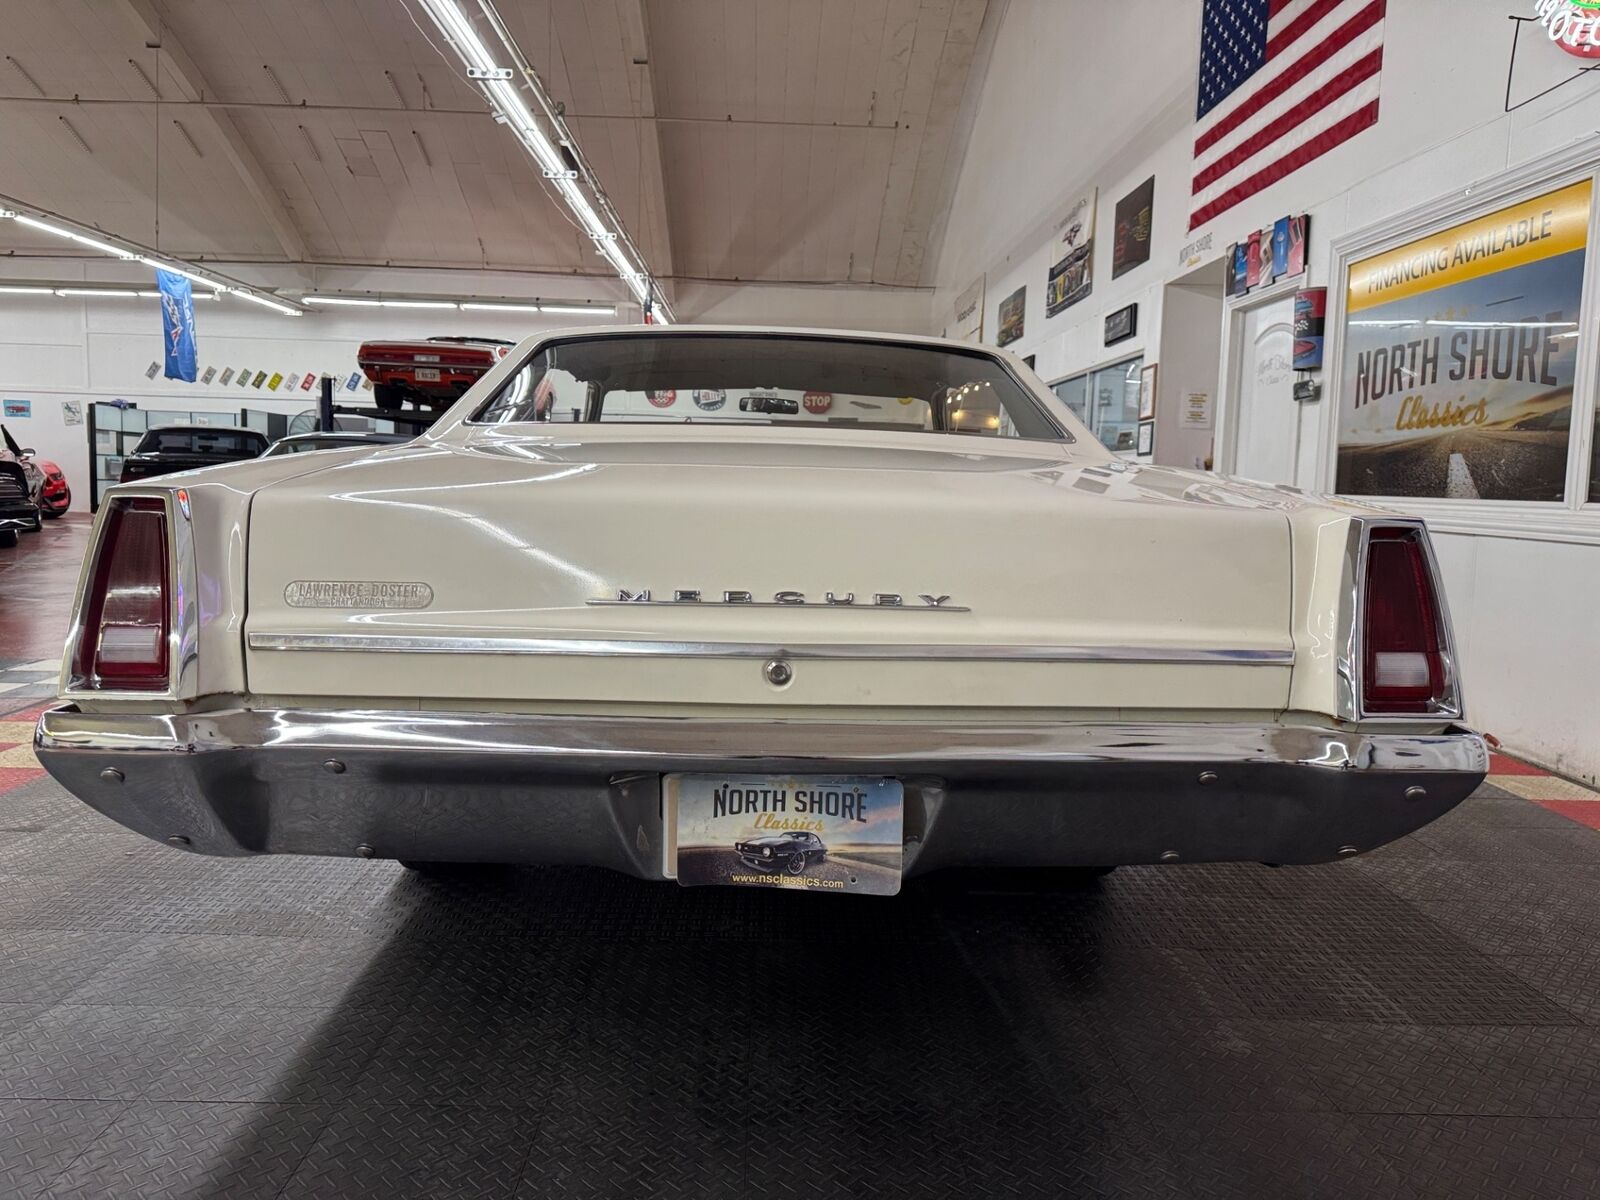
(506, 98)
(27, 291)
(58, 231)
(133, 252)
(165, 266)
(340, 300)
(509, 306)
(265, 302)
(1505, 324)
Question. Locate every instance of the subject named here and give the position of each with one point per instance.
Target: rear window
(734, 379)
(223, 443)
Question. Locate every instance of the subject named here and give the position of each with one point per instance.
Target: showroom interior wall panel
(1524, 613)
(93, 350)
(1040, 140)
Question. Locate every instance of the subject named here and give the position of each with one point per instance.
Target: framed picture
(1147, 437)
(1130, 245)
(1147, 393)
(1122, 324)
(1011, 313)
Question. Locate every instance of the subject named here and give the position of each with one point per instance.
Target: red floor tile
(1504, 764)
(1585, 812)
(27, 714)
(15, 777)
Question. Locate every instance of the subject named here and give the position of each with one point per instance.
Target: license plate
(427, 374)
(833, 833)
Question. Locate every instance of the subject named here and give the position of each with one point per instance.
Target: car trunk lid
(631, 567)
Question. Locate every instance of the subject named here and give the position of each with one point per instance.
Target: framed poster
(1147, 438)
(968, 323)
(1071, 277)
(1459, 355)
(1147, 393)
(1310, 316)
(1011, 313)
(1131, 243)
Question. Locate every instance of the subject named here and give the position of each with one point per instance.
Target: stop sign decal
(817, 402)
(664, 399)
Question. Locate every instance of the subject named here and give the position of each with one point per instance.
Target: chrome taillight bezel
(1352, 626)
(182, 611)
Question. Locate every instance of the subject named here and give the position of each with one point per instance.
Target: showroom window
(1107, 401)
(1463, 373)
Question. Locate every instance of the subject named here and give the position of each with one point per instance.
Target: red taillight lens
(126, 619)
(1403, 669)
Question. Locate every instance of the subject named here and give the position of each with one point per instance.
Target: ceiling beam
(652, 181)
(147, 23)
(425, 114)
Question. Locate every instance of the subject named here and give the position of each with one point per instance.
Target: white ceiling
(767, 140)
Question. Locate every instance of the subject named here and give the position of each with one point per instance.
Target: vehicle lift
(418, 420)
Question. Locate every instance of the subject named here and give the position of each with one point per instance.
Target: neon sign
(1574, 25)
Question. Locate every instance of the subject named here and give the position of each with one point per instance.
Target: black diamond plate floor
(1420, 1022)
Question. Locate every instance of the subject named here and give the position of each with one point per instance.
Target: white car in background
(583, 613)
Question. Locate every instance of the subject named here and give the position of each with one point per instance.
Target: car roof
(191, 428)
(355, 435)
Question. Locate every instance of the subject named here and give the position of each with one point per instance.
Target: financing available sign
(1459, 356)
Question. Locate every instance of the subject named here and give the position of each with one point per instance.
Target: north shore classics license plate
(835, 833)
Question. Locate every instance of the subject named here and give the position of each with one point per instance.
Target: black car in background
(19, 510)
(791, 851)
(169, 448)
(21, 484)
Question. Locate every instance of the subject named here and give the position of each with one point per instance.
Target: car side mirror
(28, 452)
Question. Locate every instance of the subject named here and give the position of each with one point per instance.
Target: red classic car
(433, 372)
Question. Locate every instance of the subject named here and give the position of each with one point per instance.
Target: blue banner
(177, 320)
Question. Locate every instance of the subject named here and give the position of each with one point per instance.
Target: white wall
(53, 350)
(1188, 357)
(1081, 94)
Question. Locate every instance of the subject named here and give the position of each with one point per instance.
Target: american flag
(1282, 82)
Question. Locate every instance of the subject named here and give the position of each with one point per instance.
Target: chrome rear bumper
(513, 788)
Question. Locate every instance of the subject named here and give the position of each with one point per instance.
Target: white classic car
(604, 612)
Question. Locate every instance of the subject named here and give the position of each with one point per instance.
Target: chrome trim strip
(808, 605)
(677, 742)
(616, 648)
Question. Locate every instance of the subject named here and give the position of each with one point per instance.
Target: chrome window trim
(474, 419)
(1352, 618)
(183, 635)
(846, 651)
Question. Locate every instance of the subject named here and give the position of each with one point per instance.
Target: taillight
(1403, 668)
(122, 644)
